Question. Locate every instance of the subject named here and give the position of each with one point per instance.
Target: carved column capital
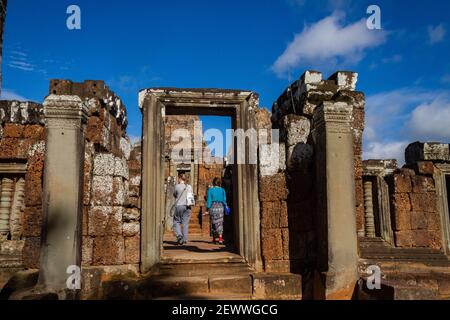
(64, 109)
(333, 116)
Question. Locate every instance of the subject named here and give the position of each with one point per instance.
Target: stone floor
(198, 248)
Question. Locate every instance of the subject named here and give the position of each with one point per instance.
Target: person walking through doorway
(183, 211)
(216, 204)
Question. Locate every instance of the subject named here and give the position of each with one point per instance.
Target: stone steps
(185, 268)
(410, 286)
(173, 286)
(179, 287)
(209, 296)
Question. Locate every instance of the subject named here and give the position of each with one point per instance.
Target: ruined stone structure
(22, 151)
(312, 220)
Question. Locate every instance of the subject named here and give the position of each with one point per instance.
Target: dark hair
(182, 176)
(217, 182)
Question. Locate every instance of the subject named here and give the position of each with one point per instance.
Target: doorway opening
(198, 147)
(158, 103)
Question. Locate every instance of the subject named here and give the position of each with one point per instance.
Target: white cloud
(398, 117)
(19, 60)
(385, 110)
(11, 95)
(388, 150)
(431, 120)
(436, 34)
(329, 39)
(21, 65)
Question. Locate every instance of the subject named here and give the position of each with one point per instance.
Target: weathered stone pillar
(336, 220)
(369, 218)
(6, 197)
(65, 117)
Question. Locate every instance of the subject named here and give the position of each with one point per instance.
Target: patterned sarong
(216, 212)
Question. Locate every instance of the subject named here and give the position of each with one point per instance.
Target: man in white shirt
(183, 212)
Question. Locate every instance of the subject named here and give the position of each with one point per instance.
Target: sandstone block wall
(22, 141)
(415, 217)
(112, 177)
(417, 222)
(287, 191)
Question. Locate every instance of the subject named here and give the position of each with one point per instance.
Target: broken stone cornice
(379, 167)
(166, 94)
(305, 94)
(345, 80)
(427, 151)
(21, 112)
(91, 90)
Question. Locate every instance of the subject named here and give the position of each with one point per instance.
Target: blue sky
(259, 45)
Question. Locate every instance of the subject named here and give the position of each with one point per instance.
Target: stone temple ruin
(75, 192)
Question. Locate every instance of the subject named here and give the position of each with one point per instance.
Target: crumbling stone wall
(111, 202)
(112, 176)
(413, 198)
(288, 193)
(414, 203)
(417, 221)
(22, 141)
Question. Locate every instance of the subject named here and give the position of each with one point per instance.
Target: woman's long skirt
(217, 212)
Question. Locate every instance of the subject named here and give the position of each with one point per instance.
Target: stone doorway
(205, 141)
(158, 103)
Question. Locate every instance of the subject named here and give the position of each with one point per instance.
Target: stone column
(65, 117)
(369, 218)
(6, 195)
(336, 220)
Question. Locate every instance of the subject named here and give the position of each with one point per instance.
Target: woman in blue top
(217, 202)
